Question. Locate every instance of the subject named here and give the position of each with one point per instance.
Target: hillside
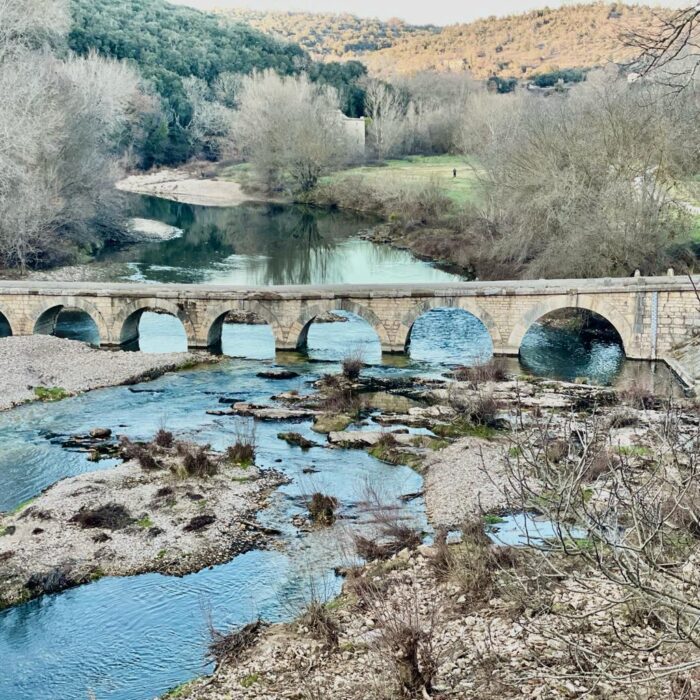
(541, 41)
(327, 35)
(574, 36)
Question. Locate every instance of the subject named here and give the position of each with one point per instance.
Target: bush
(140, 452)
(492, 371)
(317, 620)
(322, 508)
(637, 394)
(112, 516)
(198, 463)
(229, 646)
(164, 438)
(352, 366)
(242, 452)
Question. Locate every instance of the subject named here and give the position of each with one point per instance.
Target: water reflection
(264, 244)
(76, 325)
(450, 336)
(564, 354)
(5, 329)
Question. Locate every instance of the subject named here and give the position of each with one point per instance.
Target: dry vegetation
(521, 45)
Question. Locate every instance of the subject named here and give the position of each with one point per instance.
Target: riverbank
(43, 367)
(506, 602)
(172, 508)
(191, 184)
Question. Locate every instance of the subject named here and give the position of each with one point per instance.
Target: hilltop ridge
(518, 45)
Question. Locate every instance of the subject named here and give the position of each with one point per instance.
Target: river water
(134, 638)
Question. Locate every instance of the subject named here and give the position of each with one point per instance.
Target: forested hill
(328, 35)
(520, 45)
(169, 43)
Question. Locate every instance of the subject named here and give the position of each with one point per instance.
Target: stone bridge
(651, 314)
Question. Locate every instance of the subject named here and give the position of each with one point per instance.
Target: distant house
(355, 135)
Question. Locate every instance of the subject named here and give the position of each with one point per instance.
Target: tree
(386, 113)
(583, 185)
(60, 128)
(670, 52)
(289, 127)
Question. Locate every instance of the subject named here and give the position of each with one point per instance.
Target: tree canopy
(170, 44)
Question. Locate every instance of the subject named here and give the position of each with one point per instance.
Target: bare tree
(387, 118)
(626, 525)
(670, 52)
(212, 121)
(584, 184)
(59, 122)
(289, 127)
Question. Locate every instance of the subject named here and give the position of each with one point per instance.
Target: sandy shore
(181, 186)
(28, 362)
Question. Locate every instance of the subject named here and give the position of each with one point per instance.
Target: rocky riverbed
(481, 612)
(171, 507)
(48, 368)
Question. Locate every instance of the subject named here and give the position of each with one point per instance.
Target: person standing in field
(454, 172)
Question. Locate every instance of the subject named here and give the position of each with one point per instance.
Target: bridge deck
(339, 291)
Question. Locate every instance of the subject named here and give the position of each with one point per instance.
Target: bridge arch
(45, 320)
(301, 326)
(467, 304)
(216, 317)
(128, 319)
(588, 303)
(6, 326)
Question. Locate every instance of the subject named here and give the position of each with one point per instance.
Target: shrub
(197, 462)
(112, 516)
(229, 646)
(164, 438)
(242, 452)
(352, 365)
(317, 619)
(53, 393)
(471, 564)
(137, 451)
(637, 394)
(492, 371)
(322, 508)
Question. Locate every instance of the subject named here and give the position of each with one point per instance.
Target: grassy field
(460, 189)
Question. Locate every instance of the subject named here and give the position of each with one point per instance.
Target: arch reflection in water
(449, 336)
(5, 328)
(572, 343)
(158, 332)
(254, 342)
(333, 340)
(73, 324)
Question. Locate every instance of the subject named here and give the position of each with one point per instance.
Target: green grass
(462, 428)
(145, 522)
(491, 519)
(21, 506)
(53, 393)
(460, 190)
(634, 451)
(250, 680)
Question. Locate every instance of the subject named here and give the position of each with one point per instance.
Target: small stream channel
(134, 638)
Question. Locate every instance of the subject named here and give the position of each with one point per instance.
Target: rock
(297, 439)
(100, 433)
(427, 551)
(329, 422)
(199, 522)
(278, 374)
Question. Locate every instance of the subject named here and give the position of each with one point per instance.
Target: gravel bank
(128, 520)
(33, 361)
(463, 480)
(181, 186)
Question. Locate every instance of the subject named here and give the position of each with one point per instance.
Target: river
(134, 638)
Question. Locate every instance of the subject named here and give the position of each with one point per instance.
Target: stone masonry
(652, 314)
